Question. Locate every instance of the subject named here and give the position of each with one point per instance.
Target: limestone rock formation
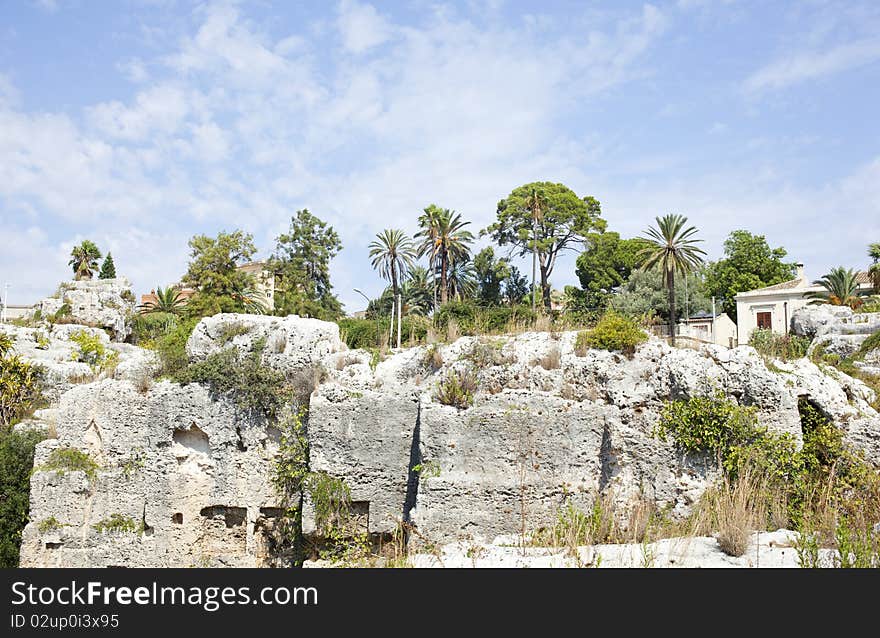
(836, 329)
(104, 303)
(193, 474)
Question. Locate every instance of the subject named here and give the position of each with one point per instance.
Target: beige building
(719, 330)
(771, 307)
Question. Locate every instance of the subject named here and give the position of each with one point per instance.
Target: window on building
(764, 321)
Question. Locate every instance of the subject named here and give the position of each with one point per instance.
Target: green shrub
(21, 389)
(16, 464)
(48, 525)
(69, 459)
(362, 333)
(92, 351)
(147, 328)
(777, 346)
(253, 387)
(119, 523)
(171, 348)
(457, 389)
(473, 319)
(871, 343)
(232, 330)
(613, 332)
(5, 344)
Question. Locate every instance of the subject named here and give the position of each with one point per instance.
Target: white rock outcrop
(104, 303)
(546, 426)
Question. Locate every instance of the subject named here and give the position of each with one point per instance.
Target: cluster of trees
(84, 262)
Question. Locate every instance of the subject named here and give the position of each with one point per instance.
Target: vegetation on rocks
(776, 346)
(69, 459)
(613, 332)
(16, 464)
(457, 389)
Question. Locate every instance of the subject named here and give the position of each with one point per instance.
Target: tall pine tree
(108, 268)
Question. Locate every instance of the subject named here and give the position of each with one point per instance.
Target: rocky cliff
(186, 475)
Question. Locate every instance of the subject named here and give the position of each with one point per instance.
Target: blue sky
(138, 124)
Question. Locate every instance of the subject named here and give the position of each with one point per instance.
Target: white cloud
(361, 26)
(804, 66)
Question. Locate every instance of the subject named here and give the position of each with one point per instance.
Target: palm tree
(462, 280)
(392, 254)
(446, 241)
(429, 222)
(841, 288)
(417, 292)
(874, 270)
(84, 260)
(169, 301)
(671, 247)
(535, 203)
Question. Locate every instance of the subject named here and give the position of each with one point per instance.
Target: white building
(702, 326)
(771, 307)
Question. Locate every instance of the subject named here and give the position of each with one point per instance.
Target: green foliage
(330, 497)
(361, 333)
(108, 268)
(230, 331)
(171, 347)
(457, 389)
(447, 245)
(840, 288)
(871, 343)
(146, 329)
(214, 262)
(473, 319)
(16, 463)
(614, 332)
(91, 350)
(21, 386)
(776, 346)
(486, 353)
(120, 524)
(302, 260)
(60, 315)
(603, 267)
(644, 293)
(749, 263)
(253, 387)
(49, 524)
(491, 274)
(69, 459)
(84, 259)
(559, 217)
(427, 469)
(168, 301)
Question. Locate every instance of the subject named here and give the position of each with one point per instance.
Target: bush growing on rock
(777, 346)
(91, 350)
(147, 328)
(16, 464)
(171, 348)
(69, 459)
(614, 332)
(457, 389)
(21, 386)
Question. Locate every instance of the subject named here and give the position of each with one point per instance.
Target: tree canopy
(604, 266)
(108, 268)
(302, 260)
(84, 259)
(749, 263)
(644, 293)
(214, 262)
(564, 220)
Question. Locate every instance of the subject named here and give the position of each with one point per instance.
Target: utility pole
(399, 315)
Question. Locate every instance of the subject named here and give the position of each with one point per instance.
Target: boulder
(103, 303)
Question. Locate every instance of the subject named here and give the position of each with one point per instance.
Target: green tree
(874, 270)
(749, 263)
(168, 300)
(16, 464)
(516, 287)
(84, 260)
(841, 288)
(644, 293)
(671, 248)
(461, 280)
(445, 241)
(604, 266)
(544, 219)
(491, 274)
(213, 272)
(392, 254)
(108, 268)
(416, 294)
(302, 260)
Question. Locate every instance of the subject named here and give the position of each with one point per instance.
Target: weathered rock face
(189, 473)
(837, 329)
(52, 348)
(546, 425)
(106, 303)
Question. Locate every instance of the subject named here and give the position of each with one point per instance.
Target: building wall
(779, 305)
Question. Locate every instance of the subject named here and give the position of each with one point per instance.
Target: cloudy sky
(138, 124)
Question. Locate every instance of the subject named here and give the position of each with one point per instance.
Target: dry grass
(142, 382)
(452, 331)
(733, 510)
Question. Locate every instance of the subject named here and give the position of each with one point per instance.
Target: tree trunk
(545, 290)
(394, 289)
(534, 261)
(444, 283)
(670, 284)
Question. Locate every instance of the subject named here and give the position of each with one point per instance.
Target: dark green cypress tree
(108, 268)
